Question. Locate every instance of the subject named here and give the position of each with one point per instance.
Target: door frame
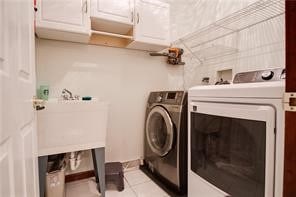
(290, 117)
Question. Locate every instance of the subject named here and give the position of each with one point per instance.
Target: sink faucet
(67, 94)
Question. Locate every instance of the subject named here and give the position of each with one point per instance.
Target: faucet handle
(67, 94)
(66, 91)
(64, 96)
(76, 97)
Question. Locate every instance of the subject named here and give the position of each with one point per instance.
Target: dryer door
(159, 131)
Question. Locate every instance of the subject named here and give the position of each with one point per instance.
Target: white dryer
(236, 137)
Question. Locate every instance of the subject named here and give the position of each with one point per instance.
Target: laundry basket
(55, 178)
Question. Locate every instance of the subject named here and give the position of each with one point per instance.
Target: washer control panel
(167, 97)
(260, 76)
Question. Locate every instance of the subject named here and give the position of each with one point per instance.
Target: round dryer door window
(159, 131)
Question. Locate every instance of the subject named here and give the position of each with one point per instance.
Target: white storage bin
(55, 183)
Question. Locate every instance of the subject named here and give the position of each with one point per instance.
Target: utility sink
(66, 126)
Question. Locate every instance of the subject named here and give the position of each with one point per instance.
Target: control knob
(267, 75)
(158, 99)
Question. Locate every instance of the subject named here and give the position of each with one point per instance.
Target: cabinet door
(64, 15)
(152, 22)
(113, 10)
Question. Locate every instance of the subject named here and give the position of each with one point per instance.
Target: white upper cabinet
(63, 15)
(137, 24)
(114, 16)
(120, 11)
(152, 25)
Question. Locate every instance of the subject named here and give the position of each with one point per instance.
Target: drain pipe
(75, 160)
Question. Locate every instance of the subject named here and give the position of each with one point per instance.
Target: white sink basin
(66, 126)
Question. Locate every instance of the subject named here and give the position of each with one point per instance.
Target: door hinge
(84, 7)
(132, 16)
(138, 18)
(290, 101)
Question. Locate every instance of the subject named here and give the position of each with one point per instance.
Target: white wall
(190, 15)
(258, 47)
(122, 77)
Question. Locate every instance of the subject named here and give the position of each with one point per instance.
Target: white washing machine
(236, 137)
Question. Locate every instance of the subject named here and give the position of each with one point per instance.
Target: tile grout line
(127, 182)
(165, 193)
(134, 192)
(149, 179)
(141, 183)
(130, 187)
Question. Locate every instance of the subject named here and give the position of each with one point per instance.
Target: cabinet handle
(132, 16)
(84, 7)
(138, 18)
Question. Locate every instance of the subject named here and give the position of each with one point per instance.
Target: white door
(113, 10)
(231, 149)
(152, 22)
(64, 15)
(18, 150)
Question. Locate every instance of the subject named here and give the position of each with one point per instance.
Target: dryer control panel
(260, 76)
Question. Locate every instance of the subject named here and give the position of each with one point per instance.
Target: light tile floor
(136, 184)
